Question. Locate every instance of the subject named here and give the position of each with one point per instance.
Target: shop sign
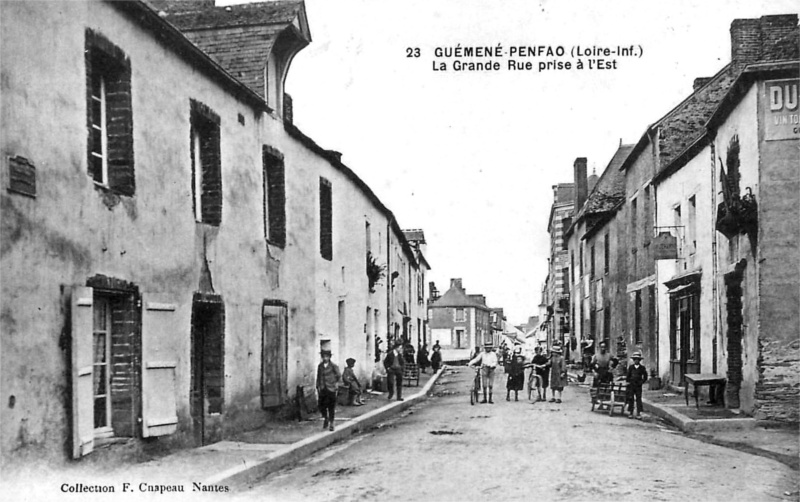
(665, 246)
(782, 116)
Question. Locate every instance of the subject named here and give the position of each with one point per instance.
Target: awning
(678, 289)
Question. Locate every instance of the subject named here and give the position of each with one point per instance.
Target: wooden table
(712, 380)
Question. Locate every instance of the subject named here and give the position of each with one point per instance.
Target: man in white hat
(488, 362)
(637, 376)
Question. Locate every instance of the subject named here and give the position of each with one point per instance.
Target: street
(445, 449)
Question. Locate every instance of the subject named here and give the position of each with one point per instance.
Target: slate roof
(415, 235)
(199, 15)
(457, 297)
(609, 191)
(682, 126)
(238, 37)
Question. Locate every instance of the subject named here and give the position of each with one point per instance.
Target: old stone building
(733, 196)
(175, 250)
(460, 322)
(752, 41)
(597, 260)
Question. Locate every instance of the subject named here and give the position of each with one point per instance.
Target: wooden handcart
(608, 396)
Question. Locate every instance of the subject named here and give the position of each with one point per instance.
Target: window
(678, 222)
(591, 273)
(109, 115)
(459, 339)
(646, 218)
(368, 233)
(691, 230)
(580, 260)
(572, 266)
(325, 219)
(637, 322)
(275, 197)
(565, 275)
(607, 323)
(206, 168)
(565, 224)
(606, 254)
(459, 315)
(100, 368)
(634, 227)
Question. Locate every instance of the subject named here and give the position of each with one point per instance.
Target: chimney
(335, 155)
(456, 283)
(752, 40)
(581, 186)
(700, 82)
(434, 292)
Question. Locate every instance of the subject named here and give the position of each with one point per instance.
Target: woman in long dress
(516, 375)
(558, 374)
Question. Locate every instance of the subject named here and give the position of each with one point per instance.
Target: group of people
(329, 377)
(549, 371)
(603, 365)
(552, 372)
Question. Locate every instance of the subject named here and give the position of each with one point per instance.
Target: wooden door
(273, 356)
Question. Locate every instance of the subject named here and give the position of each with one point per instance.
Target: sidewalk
(721, 426)
(225, 466)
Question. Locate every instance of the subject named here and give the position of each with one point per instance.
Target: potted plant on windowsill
(375, 271)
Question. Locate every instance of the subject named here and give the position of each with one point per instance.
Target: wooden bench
(411, 372)
(609, 396)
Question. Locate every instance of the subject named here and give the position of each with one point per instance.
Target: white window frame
(103, 128)
(198, 175)
(103, 430)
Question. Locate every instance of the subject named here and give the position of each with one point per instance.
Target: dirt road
(445, 449)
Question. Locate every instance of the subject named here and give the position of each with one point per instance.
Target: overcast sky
(471, 157)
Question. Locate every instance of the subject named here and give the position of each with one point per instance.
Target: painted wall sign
(665, 246)
(782, 116)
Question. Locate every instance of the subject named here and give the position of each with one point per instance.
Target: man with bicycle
(488, 363)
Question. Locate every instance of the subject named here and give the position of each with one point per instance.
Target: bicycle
(476, 387)
(534, 382)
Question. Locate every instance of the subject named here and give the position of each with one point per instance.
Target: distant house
(459, 322)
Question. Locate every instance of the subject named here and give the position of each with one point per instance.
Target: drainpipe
(388, 282)
(714, 300)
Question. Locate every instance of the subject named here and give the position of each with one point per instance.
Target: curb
(247, 473)
(689, 425)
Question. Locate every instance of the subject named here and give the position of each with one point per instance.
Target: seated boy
(351, 382)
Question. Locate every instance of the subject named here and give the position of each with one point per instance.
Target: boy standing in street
(395, 365)
(328, 377)
(488, 362)
(637, 376)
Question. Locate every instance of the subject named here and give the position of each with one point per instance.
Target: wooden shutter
(273, 362)
(82, 374)
(159, 361)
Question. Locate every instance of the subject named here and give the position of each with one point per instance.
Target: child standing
(351, 382)
(541, 365)
(328, 377)
(558, 373)
(516, 374)
(637, 376)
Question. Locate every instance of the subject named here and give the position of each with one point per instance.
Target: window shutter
(273, 364)
(159, 361)
(82, 371)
